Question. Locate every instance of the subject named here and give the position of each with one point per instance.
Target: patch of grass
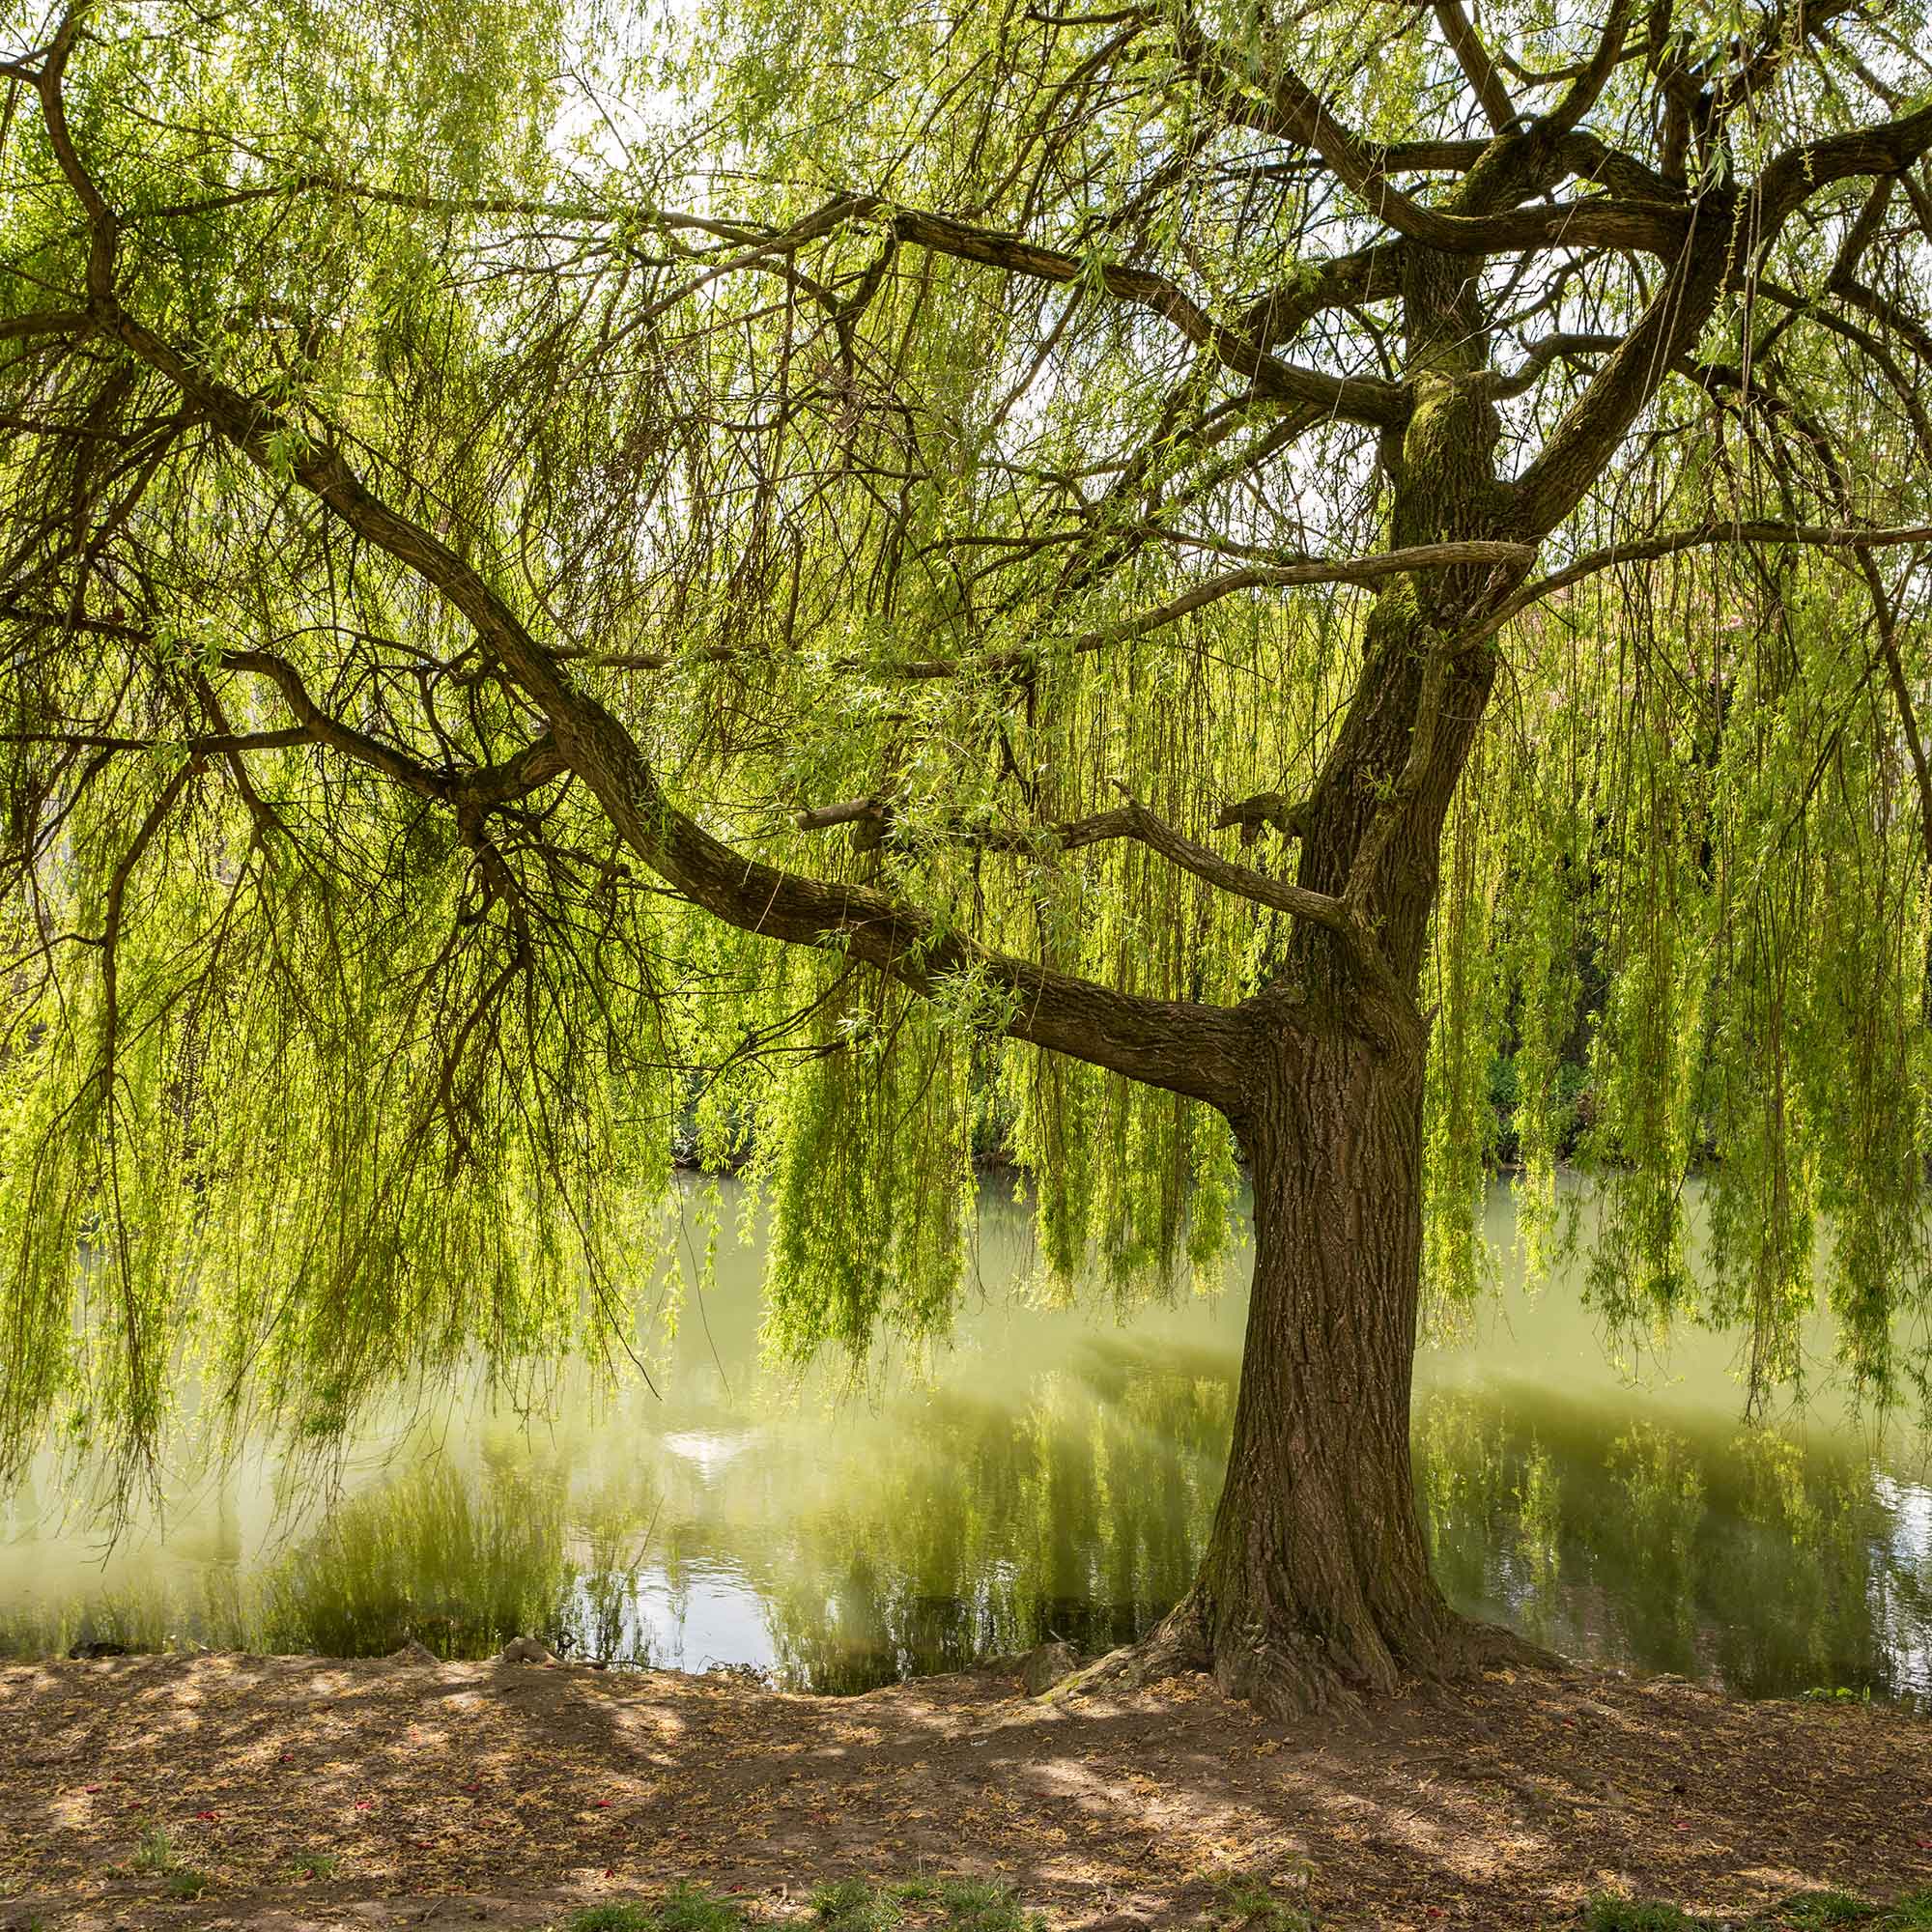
(188, 1882)
(1911, 1913)
(610, 1919)
(983, 1908)
(691, 1909)
(315, 1865)
(1622, 1915)
(1809, 1912)
(686, 1909)
(856, 1905)
(1827, 1908)
(1249, 1902)
(156, 1853)
(860, 1904)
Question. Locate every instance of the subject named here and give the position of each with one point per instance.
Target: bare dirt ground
(458, 1794)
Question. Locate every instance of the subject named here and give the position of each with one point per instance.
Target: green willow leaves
(818, 389)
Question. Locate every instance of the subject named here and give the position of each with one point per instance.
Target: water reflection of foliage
(1080, 1515)
(1742, 1556)
(455, 1558)
(140, 1610)
(435, 1557)
(988, 1524)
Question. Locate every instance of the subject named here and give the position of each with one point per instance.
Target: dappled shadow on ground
(464, 1793)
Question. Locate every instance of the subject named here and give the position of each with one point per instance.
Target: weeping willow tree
(1156, 580)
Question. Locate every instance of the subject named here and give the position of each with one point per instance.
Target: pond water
(1053, 1475)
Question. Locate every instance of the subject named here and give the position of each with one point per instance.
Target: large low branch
(1365, 572)
(1371, 274)
(1574, 456)
(1185, 1046)
(45, 321)
(1345, 918)
(1478, 68)
(1868, 345)
(1580, 96)
(1353, 398)
(207, 745)
(1131, 820)
(1562, 345)
(1796, 174)
(36, 619)
(326, 729)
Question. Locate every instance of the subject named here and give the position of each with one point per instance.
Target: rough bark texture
(1316, 1585)
(1316, 1576)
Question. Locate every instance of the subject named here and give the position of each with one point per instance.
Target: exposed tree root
(1175, 1647)
(1288, 1675)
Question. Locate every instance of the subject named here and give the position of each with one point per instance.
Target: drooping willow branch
(1155, 1041)
(1489, 212)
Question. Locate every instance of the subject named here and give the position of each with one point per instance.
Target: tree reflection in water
(1735, 1555)
(1071, 1502)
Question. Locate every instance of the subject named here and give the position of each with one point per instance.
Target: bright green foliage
(1616, 1914)
(156, 1852)
(690, 1908)
(974, 1907)
(966, 1905)
(313, 1083)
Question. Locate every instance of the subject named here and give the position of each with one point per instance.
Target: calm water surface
(1053, 1475)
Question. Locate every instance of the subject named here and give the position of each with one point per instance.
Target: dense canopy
(857, 585)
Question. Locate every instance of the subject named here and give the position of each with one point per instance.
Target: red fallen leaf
(602, 1804)
(472, 1787)
(609, 1873)
(365, 1804)
(204, 1814)
(90, 1787)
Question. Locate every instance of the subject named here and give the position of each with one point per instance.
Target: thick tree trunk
(1315, 1584)
(1316, 1579)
